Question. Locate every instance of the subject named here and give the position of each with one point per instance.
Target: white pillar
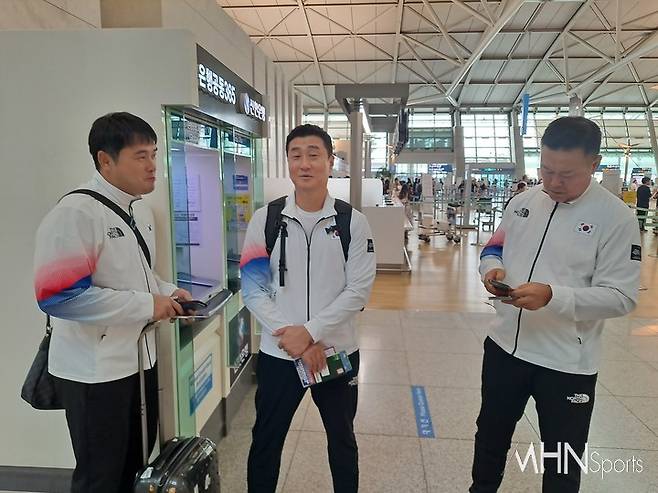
(576, 106)
(460, 158)
(389, 155)
(299, 109)
(368, 159)
(356, 158)
(652, 136)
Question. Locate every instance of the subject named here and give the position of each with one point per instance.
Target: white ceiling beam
(565, 56)
(643, 91)
(485, 7)
(591, 47)
(590, 97)
(473, 12)
(649, 44)
(389, 58)
(333, 47)
(550, 85)
(442, 29)
(620, 51)
(432, 33)
(466, 83)
(538, 30)
(301, 72)
(609, 93)
(554, 69)
(373, 73)
(618, 32)
(323, 103)
(508, 12)
(293, 48)
(351, 35)
(432, 50)
(396, 50)
(439, 86)
(307, 25)
(551, 48)
(425, 100)
(270, 31)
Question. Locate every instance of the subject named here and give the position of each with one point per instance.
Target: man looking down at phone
(306, 286)
(570, 250)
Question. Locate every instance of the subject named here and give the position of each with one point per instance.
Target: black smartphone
(500, 286)
(191, 305)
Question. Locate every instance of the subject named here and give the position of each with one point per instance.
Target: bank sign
(251, 107)
(221, 84)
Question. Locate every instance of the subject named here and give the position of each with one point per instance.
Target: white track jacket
(93, 279)
(588, 251)
(322, 291)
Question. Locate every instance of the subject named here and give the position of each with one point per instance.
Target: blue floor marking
(423, 417)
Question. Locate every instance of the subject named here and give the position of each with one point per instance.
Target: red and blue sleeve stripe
(57, 283)
(255, 270)
(494, 247)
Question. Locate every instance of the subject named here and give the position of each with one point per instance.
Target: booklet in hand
(338, 364)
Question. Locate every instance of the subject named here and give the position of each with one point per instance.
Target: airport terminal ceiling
(463, 53)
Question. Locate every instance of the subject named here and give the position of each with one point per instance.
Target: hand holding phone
(191, 305)
(500, 286)
(504, 289)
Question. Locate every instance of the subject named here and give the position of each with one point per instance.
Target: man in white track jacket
(571, 252)
(306, 289)
(96, 282)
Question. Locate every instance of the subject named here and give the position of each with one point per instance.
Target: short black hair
(307, 130)
(114, 131)
(573, 132)
(645, 180)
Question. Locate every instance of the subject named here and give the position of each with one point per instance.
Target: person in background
(97, 285)
(404, 199)
(520, 188)
(643, 199)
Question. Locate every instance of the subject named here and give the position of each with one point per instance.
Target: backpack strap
(129, 220)
(273, 222)
(343, 221)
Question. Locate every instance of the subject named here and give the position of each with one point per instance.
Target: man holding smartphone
(570, 250)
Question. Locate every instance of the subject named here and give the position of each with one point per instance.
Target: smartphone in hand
(503, 288)
(500, 286)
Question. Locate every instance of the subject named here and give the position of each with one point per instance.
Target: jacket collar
(291, 208)
(592, 183)
(113, 193)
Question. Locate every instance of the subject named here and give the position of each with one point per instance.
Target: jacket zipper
(308, 261)
(532, 269)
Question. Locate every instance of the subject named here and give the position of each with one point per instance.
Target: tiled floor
(443, 352)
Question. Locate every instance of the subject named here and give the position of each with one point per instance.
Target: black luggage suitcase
(185, 465)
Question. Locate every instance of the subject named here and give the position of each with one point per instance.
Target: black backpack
(275, 226)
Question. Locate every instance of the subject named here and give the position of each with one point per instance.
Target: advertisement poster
(238, 212)
(240, 183)
(200, 383)
(239, 343)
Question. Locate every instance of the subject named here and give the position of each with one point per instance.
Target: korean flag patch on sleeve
(636, 252)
